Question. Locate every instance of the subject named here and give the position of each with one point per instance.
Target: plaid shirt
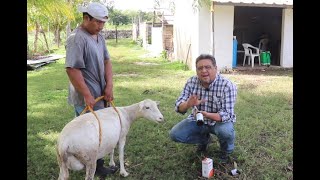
(220, 95)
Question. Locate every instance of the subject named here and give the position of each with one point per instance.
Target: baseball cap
(96, 10)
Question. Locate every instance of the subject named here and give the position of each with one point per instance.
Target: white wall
(156, 41)
(286, 56)
(183, 29)
(223, 35)
(143, 34)
(192, 27)
(134, 32)
(201, 36)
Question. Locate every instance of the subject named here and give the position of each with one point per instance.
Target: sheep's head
(149, 110)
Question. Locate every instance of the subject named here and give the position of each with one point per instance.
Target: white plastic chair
(251, 52)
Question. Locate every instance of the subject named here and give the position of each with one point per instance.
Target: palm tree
(43, 12)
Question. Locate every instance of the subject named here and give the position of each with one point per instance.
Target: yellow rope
(114, 107)
(91, 110)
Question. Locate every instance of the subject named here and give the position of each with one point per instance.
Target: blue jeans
(78, 109)
(187, 131)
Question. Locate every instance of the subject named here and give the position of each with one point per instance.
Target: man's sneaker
(227, 157)
(224, 158)
(103, 171)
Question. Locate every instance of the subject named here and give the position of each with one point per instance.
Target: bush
(164, 54)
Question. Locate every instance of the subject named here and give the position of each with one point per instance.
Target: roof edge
(254, 4)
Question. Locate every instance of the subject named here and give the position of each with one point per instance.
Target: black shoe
(224, 158)
(103, 171)
(227, 157)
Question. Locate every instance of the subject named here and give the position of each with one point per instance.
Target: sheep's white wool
(78, 142)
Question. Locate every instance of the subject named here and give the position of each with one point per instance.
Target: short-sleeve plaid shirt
(220, 95)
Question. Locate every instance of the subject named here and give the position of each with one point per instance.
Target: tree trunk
(35, 43)
(138, 29)
(68, 29)
(154, 18)
(57, 38)
(28, 49)
(45, 39)
(116, 34)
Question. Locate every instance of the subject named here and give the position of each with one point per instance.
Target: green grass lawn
(263, 129)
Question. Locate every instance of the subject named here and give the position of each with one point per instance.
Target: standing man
(214, 96)
(88, 66)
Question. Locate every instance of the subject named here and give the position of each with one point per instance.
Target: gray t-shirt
(88, 55)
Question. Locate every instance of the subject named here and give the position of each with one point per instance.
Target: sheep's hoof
(124, 174)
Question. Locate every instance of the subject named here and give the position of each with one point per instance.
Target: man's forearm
(77, 81)
(212, 116)
(183, 107)
(108, 74)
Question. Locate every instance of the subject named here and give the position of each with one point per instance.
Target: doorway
(254, 23)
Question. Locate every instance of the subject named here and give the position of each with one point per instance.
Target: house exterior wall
(134, 31)
(143, 34)
(167, 37)
(201, 37)
(286, 57)
(182, 30)
(156, 42)
(192, 29)
(223, 35)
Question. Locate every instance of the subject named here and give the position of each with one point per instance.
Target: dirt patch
(248, 86)
(126, 75)
(146, 64)
(261, 71)
(37, 57)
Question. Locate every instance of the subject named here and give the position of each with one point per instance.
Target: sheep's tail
(62, 158)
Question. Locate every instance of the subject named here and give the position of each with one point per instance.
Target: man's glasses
(208, 67)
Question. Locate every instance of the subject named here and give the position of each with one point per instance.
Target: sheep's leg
(111, 163)
(90, 169)
(64, 172)
(90, 159)
(122, 142)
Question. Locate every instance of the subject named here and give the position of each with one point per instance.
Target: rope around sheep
(91, 110)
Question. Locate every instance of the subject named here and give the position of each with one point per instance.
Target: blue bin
(234, 59)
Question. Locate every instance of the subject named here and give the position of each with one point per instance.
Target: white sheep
(78, 142)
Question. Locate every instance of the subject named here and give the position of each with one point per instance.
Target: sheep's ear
(157, 102)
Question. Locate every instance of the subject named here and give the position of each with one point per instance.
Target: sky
(133, 4)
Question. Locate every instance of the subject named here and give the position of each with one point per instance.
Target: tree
(201, 3)
(36, 16)
(43, 12)
(118, 18)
